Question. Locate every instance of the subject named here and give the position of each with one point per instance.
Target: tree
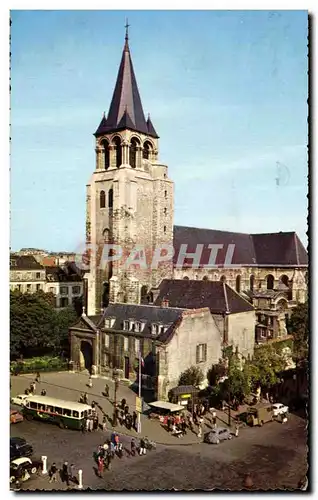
(298, 327)
(192, 376)
(36, 327)
(267, 363)
(215, 373)
(236, 386)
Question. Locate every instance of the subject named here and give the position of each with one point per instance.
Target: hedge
(40, 364)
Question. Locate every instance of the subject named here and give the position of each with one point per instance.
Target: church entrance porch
(86, 356)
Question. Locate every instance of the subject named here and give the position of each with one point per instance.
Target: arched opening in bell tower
(118, 151)
(146, 150)
(134, 143)
(106, 154)
(102, 199)
(110, 198)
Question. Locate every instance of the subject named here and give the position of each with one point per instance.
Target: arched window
(150, 298)
(118, 151)
(110, 198)
(164, 229)
(223, 279)
(238, 284)
(165, 194)
(102, 199)
(133, 153)
(185, 278)
(252, 282)
(205, 278)
(270, 282)
(106, 235)
(284, 279)
(106, 154)
(146, 150)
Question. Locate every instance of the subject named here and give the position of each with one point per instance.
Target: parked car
(217, 435)
(279, 409)
(20, 399)
(23, 468)
(19, 448)
(15, 417)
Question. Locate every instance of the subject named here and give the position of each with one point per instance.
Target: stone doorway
(86, 356)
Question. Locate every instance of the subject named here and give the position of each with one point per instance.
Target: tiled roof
(67, 274)
(143, 313)
(196, 294)
(273, 249)
(24, 262)
(125, 109)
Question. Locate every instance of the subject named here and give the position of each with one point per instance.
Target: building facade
(65, 284)
(26, 274)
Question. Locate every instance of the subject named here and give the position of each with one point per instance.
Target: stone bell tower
(129, 200)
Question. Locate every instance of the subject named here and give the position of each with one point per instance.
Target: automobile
(19, 448)
(19, 400)
(279, 409)
(23, 468)
(217, 435)
(15, 416)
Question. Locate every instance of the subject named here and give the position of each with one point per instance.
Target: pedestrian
(126, 409)
(128, 421)
(91, 425)
(200, 432)
(90, 382)
(72, 473)
(43, 392)
(134, 417)
(65, 473)
(104, 423)
(123, 403)
(116, 439)
(27, 392)
(236, 430)
(100, 463)
(53, 473)
(107, 391)
(133, 447)
(122, 418)
(38, 376)
(85, 399)
(142, 447)
(183, 426)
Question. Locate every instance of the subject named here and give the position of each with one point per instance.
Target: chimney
(165, 303)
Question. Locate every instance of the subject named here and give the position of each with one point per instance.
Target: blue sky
(227, 94)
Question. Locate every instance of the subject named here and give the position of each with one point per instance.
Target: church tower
(129, 201)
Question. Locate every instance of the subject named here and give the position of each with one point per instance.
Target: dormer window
(109, 322)
(126, 325)
(138, 326)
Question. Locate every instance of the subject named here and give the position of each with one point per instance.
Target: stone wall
(241, 332)
(196, 327)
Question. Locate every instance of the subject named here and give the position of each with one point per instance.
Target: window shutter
(205, 352)
(198, 354)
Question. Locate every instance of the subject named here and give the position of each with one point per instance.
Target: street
(275, 455)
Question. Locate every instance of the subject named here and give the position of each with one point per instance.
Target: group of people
(67, 473)
(124, 417)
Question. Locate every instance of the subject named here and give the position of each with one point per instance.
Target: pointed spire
(151, 128)
(126, 109)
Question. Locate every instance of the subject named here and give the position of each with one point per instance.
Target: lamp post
(115, 379)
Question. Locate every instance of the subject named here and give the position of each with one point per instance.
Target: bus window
(75, 414)
(49, 409)
(85, 413)
(33, 405)
(42, 408)
(67, 413)
(58, 410)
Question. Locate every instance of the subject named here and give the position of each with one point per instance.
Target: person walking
(142, 447)
(72, 473)
(53, 473)
(65, 474)
(134, 418)
(38, 377)
(236, 430)
(90, 382)
(104, 423)
(100, 464)
(200, 431)
(133, 447)
(43, 392)
(107, 391)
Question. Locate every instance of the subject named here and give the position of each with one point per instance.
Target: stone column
(112, 157)
(138, 156)
(125, 153)
(99, 158)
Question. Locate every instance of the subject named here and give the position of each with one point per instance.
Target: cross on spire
(126, 26)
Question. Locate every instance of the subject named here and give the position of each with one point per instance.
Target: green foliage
(215, 373)
(267, 364)
(298, 326)
(192, 376)
(39, 364)
(36, 327)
